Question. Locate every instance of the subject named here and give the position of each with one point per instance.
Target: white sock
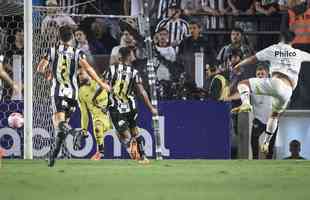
(271, 127)
(244, 92)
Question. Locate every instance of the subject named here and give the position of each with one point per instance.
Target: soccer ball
(16, 120)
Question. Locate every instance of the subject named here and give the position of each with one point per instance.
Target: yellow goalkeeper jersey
(96, 107)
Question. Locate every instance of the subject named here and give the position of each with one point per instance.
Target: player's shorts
(64, 104)
(102, 120)
(123, 121)
(274, 87)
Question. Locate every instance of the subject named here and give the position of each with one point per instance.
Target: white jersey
(285, 59)
(262, 107)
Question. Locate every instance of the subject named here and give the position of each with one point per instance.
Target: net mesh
(11, 47)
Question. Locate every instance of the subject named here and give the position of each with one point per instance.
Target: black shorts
(124, 121)
(64, 104)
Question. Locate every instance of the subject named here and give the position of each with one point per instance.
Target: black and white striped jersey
(163, 6)
(64, 63)
(178, 29)
(123, 80)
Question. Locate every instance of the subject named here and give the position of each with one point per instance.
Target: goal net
(11, 50)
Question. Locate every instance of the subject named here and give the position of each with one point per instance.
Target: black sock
(100, 148)
(140, 142)
(64, 127)
(59, 140)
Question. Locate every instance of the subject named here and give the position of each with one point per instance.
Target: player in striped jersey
(124, 79)
(64, 61)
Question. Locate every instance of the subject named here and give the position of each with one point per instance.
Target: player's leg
(271, 145)
(58, 117)
(281, 97)
(257, 129)
(244, 91)
(101, 124)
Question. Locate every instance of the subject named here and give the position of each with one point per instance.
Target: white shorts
(274, 87)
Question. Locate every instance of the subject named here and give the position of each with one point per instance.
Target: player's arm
(146, 99)
(5, 76)
(92, 73)
(247, 61)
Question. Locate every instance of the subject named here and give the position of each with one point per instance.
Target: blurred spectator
(95, 42)
(54, 15)
(236, 36)
(178, 28)
(217, 8)
(297, 20)
(82, 43)
(267, 7)
(242, 7)
(166, 56)
(164, 6)
(218, 88)
(283, 5)
(295, 147)
(127, 40)
(196, 43)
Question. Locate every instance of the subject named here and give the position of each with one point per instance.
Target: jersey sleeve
(265, 54)
(305, 57)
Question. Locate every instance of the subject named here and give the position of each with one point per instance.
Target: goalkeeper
(96, 106)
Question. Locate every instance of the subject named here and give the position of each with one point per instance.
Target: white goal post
(28, 103)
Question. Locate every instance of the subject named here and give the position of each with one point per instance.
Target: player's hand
(106, 86)
(154, 111)
(17, 89)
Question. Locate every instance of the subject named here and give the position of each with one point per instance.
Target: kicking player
(64, 61)
(124, 78)
(261, 111)
(97, 107)
(285, 62)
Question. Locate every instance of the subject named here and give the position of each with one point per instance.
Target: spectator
(95, 43)
(127, 40)
(219, 84)
(178, 28)
(166, 56)
(297, 20)
(53, 15)
(195, 43)
(295, 147)
(82, 43)
(236, 43)
(266, 7)
(283, 5)
(242, 7)
(163, 8)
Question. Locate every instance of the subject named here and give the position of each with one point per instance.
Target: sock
(126, 143)
(59, 140)
(141, 143)
(271, 127)
(101, 148)
(64, 127)
(244, 92)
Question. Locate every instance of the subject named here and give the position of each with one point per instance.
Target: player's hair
(124, 53)
(237, 29)
(262, 66)
(65, 33)
(287, 36)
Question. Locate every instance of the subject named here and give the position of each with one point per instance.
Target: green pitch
(161, 180)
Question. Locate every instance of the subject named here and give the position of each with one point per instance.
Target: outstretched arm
(249, 60)
(146, 99)
(92, 73)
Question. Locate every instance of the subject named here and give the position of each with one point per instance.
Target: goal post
(28, 103)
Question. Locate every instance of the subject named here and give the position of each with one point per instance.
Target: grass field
(161, 180)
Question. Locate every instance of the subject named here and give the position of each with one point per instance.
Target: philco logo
(284, 54)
